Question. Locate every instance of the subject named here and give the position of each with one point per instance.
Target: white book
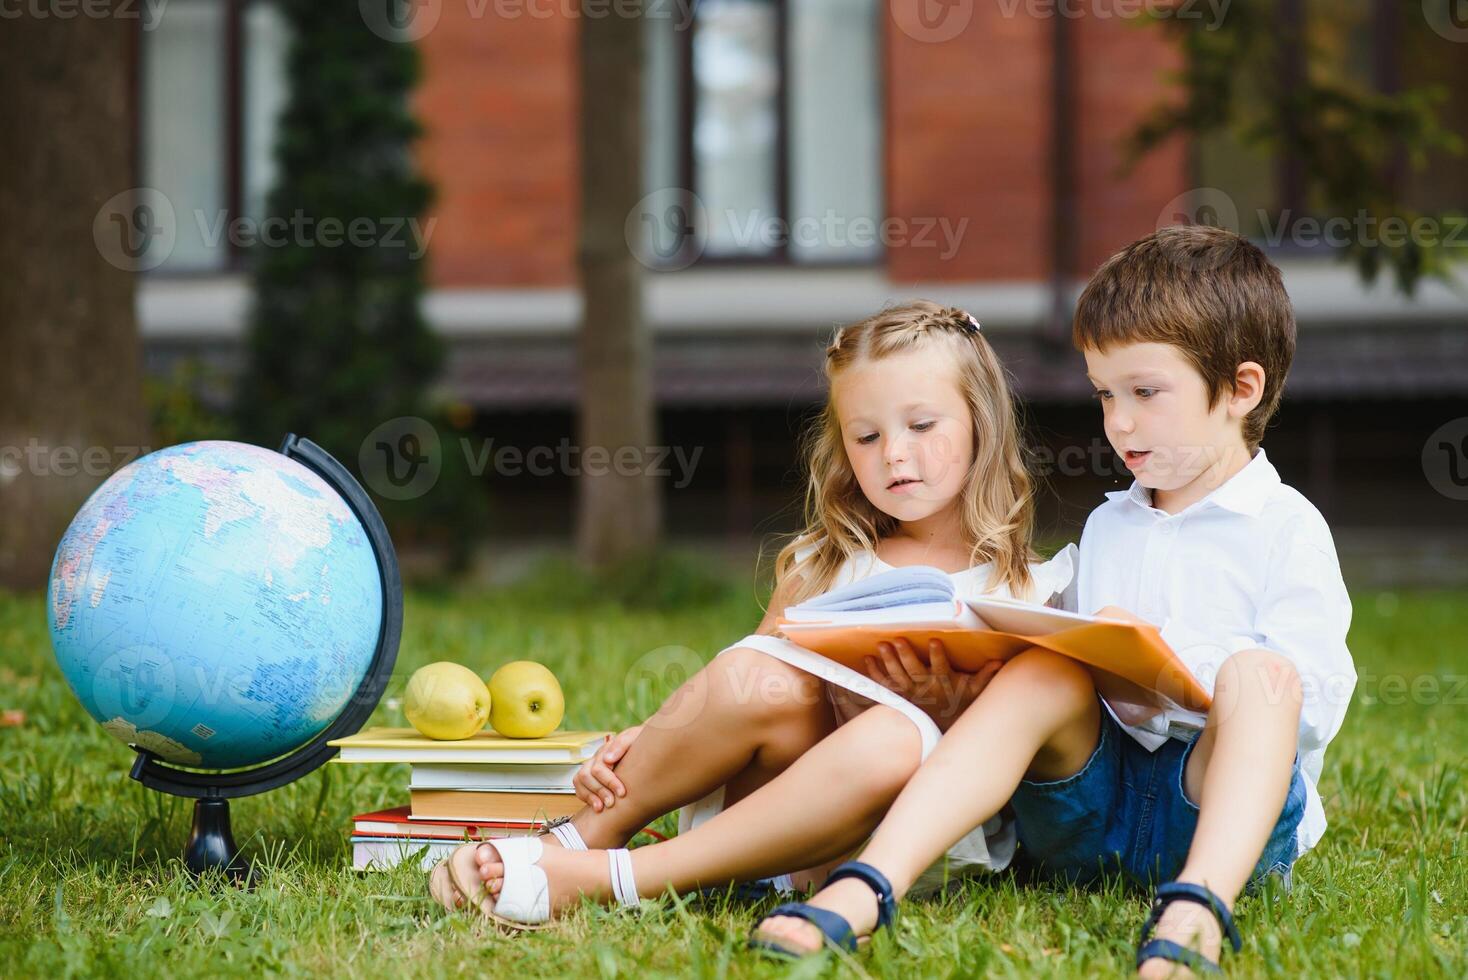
(382, 853)
(534, 778)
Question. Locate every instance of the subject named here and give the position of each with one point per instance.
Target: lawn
(92, 883)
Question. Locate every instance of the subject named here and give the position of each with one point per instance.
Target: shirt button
(1169, 528)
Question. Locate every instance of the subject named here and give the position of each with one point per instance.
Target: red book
(396, 823)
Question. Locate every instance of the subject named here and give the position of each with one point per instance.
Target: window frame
(687, 164)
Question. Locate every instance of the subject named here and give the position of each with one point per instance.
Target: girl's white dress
(986, 848)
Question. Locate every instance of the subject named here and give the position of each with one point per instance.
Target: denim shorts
(1126, 811)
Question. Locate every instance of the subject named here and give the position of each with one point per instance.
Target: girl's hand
(596, 785)
(941, 691)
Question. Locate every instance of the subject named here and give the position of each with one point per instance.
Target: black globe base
(211, 845)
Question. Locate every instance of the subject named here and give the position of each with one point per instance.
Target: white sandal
(523, 902)
(446, 893)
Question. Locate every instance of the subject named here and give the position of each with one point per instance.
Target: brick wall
(498, 103)
(967, 136)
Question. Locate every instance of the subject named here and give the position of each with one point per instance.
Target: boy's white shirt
(1251, 565)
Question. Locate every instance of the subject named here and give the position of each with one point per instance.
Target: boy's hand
(935, 687)
(596, 785)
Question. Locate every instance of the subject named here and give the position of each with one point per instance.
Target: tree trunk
(71, 406)
(619, 510)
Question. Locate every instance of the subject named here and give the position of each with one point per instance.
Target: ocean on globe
(215, 603)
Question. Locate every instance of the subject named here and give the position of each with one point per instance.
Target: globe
(215, 603)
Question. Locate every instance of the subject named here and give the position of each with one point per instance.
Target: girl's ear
(1248, 389)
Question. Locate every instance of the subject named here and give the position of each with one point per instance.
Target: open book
(1133, 668)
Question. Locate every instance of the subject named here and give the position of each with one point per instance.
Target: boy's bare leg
(1239, 774)
(819, 808)
(738, 722)
(1039, 717)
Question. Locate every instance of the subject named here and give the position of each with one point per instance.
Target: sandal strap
(1166, 949)
(624, 886)
(564, 831)
(873, 879)
(832, 925)
(1182, 891)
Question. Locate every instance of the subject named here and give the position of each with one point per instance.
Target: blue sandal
(1166, 949)
(834, 927)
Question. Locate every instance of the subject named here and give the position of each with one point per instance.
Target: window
(211, 88)
(769, 112)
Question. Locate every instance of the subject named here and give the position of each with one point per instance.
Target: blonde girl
(782, 761)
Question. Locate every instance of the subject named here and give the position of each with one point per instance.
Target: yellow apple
(446, 701)
(527, 700)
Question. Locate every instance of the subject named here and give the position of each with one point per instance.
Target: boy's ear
(1248, 389)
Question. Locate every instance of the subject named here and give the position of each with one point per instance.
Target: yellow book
(406, 745)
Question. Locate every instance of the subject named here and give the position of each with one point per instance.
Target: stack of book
(477, 788)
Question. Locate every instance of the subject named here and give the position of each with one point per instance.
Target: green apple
(446, 701)
(527, 699)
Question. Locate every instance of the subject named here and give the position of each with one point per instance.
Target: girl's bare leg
(1038, 718)
(737, 723)
(819, 808)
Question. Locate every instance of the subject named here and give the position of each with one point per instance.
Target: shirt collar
(1243, 493)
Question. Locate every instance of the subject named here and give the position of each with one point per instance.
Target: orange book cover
(1133, 667)
(475, 805)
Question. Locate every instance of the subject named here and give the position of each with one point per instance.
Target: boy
(1187, 335)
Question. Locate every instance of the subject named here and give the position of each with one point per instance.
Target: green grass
(92, 884)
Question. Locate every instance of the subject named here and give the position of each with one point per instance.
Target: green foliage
(337, 343)
(1346, 137)
(94, 886)
(180, 408)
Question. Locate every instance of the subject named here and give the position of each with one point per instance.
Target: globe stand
(211, 845)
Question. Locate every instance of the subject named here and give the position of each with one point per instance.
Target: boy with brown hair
(1188, 335)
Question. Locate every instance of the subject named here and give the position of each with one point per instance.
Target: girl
(787, 759)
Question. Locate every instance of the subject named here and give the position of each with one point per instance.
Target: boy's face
(1154, 406)
(903, 417)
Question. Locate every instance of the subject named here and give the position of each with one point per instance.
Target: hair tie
(973, 325)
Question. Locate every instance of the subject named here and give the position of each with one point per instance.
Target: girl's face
(907, 431)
